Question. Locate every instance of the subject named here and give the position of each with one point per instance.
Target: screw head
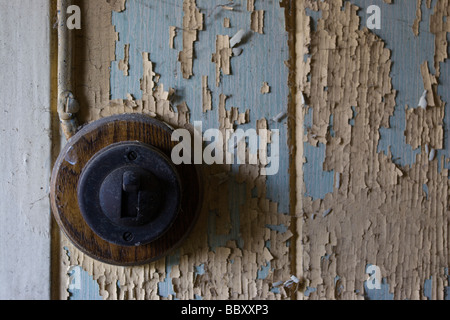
(128, 236)
(132, 156)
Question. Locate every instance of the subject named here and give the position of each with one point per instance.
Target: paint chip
(257, 21)
(237, 38)
(279, 117)
(227, 118)
(124, 65)
(237, 52)
(423, 100)
(172, 35)
(432, 155)
(327, 213)
(228, 6)
(206, 95)
(250, 5)
(226, 23)
(265, 89)
(338, 180)
(222, 57)
(192, 23)
(130, 102)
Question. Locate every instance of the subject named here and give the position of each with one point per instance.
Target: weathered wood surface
(241, 244)
(375, 193)
(356, 161)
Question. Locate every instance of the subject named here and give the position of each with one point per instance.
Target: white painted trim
(25, 149)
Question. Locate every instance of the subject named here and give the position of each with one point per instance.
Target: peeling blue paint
(407, 81)
(318, 182)
(66, 249)
(352, 120)
(331, 126)
(200, 270)
(263, 271)
(379, 294)
(315, 16)
(425, 189)
(428, 288)
(150, 33)
(278, 228)
(406, 75)
(82, 286)
(393, 140)
(275, 290)
(309, 290)
(326, 257)
(165, 288)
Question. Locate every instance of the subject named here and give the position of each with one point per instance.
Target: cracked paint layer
(379, 211)
(373, 208)
(231, 245)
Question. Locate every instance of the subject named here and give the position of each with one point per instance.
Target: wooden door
(355, 91)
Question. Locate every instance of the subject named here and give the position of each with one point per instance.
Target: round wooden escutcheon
(70, 165)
